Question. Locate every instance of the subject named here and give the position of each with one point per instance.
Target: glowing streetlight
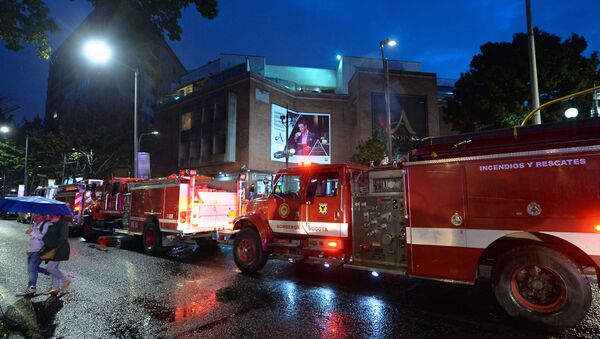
(571, 112)
(388, 117)
(99, 52)
(4, 129)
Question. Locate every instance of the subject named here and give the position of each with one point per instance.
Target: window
(186, 121)
(288, 185)
(323, 185)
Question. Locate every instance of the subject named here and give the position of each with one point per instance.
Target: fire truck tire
(543, 286)
(151, 239)
(247, 251)
(88, 233)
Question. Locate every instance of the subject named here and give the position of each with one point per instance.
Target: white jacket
(36, 242)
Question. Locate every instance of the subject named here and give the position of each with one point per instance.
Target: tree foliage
(28, 22)
(495, 92)
(370, 150)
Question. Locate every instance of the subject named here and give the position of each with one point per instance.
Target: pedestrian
(36, 234)
(57, 237)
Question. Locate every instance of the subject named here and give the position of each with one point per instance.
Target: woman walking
(36, 243)
(57, 237)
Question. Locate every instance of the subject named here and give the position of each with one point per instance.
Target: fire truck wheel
(88, 233)
(542, 285)
(247, 251)
(151, 239)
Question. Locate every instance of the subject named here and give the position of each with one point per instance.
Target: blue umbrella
(34, 204)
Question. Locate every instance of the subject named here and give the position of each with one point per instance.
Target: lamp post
(535, 95)
(4, 130)
(25, 174)
(98, 52)
(287, 152)
(388, 116)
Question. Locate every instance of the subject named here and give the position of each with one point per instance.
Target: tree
(370, 150)
(27, 21)
(495, 92)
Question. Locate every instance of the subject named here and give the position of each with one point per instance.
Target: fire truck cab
(312, 214)
(522, 202)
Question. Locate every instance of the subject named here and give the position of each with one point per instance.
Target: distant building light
(177, 97)
(55, 115)
(339, 57)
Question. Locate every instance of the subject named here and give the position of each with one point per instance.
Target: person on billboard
(304, 138)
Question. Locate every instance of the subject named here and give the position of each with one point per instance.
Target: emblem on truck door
(456, 219)
(322, 208)
(284, 210)
(534, 209)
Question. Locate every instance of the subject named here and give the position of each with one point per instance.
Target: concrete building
(84, 97)
(231, 113)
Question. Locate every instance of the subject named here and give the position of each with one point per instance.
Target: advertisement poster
(307, 139)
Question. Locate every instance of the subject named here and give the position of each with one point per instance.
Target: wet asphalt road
(122, 293)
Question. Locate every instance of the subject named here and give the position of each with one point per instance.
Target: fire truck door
(322, 206)
(284, 206)
(437, 222)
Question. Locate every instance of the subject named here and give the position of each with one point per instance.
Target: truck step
(121, 230)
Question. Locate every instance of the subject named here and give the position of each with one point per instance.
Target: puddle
(154, 309)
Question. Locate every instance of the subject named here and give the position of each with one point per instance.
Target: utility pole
(25, 172)
(535, 95)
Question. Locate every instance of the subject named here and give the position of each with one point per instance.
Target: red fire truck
(80, 197)
(524, 202)
(164, 212)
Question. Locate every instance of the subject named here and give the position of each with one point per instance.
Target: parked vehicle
(163, 212)
(522, 202)
(24, 217)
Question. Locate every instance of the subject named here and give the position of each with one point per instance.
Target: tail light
(182, 217)
(597, 228)
(332, 244)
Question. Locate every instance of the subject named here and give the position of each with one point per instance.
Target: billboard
(308, 137)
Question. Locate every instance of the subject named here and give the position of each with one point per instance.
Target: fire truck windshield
(287, 185)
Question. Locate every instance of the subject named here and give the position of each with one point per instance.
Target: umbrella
(34, 204)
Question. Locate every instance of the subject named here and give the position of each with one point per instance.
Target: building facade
(87, 99)
(233, 112)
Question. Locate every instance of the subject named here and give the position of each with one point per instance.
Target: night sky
(443, 35)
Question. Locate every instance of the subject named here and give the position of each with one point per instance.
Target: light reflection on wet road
(123, 293)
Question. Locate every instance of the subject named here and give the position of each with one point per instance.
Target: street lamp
(571, 112)
(143, 134)
(388, 118)
(99, 52)
(25, 174)
(4, 130)
(287, 152)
